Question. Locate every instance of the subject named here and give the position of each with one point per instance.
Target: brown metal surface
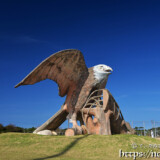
(101, 115)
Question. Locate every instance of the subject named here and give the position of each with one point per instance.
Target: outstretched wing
(65, 67)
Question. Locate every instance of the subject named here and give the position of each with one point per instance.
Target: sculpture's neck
(100, 76)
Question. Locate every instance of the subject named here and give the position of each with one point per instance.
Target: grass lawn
(22, 146)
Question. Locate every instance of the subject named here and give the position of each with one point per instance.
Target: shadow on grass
(67, 148)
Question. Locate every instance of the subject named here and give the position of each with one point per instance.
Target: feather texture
(66, 68)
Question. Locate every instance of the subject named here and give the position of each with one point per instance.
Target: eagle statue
(68, 69)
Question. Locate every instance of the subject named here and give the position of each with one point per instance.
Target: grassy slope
(18, 146)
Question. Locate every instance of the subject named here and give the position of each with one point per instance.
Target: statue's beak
(109, 70)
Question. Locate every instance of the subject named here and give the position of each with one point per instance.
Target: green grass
(21, 146)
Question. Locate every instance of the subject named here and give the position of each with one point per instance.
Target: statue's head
(102, 71)
(102, 68)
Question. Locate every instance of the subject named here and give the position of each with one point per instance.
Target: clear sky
(124, 34)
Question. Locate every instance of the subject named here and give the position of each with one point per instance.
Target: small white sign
(70, 120)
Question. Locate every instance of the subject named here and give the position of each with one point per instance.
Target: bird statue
(68, 69)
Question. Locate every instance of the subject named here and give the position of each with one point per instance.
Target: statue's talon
(77, 128)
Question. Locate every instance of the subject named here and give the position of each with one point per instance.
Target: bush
(13, 128)
(29, 130)
(10, 128)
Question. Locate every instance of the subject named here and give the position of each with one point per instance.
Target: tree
(1, 128)
(29, 130)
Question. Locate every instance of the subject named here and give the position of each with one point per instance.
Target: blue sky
(122, 34)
